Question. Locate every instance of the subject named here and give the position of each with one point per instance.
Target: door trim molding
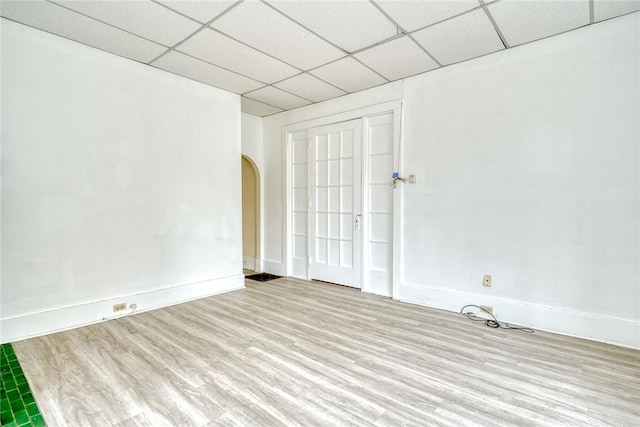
(394, 107)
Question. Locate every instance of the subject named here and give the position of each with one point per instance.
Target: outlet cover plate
(120, 307)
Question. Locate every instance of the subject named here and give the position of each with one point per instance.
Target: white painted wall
(527, 163)
(120, 182)
(252, 138)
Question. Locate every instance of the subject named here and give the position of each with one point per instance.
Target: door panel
(379, 245)
(335, 192)
(299, 183)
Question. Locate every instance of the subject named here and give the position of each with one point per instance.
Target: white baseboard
(249, 263)
(60, 319)
(377, 283)
(612, 330)
(274, 267)
(299, 268)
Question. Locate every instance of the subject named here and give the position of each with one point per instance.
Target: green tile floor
(17, 406)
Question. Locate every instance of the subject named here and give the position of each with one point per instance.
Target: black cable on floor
(493, 322)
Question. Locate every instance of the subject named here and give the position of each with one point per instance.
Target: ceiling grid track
(177, 12)
(446, 19)
(304, 26)
(346, 53)
(365, 65)
(256, 49)
(404, 33)
(307, 73)
(218, 66)
(105, 23)
(425, 50)
(262, 102)
(204, 26)
(340, 46)
(495, 25)
(285, 91)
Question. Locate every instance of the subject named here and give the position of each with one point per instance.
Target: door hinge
(308, 203)
(309, 144)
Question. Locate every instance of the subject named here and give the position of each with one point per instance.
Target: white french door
(335, 203)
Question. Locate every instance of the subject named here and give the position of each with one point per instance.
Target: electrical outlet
(411, 179)
(120, 307)
(486, 280)
(133, 306)
(487, 308)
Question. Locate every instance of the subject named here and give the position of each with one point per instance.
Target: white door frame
(394, 107)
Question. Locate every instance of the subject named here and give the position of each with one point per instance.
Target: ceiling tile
(414, 14)
(461, 38)
(63, 22)
(141, 17)
(204, 72)
(522, 21)
(348, 74)
(397, 59)
(257, 108)
(221, 50)
(352, 25)
(278, 98)
(203, 11)
(310, 87)
(259, 26)
(605, 9)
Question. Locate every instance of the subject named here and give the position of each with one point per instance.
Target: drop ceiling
(284, 54)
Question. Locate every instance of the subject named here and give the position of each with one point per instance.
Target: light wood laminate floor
(289, 352)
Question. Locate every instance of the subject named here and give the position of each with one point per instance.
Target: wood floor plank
(293, 353)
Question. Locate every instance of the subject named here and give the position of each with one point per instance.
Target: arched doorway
(250, 215)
